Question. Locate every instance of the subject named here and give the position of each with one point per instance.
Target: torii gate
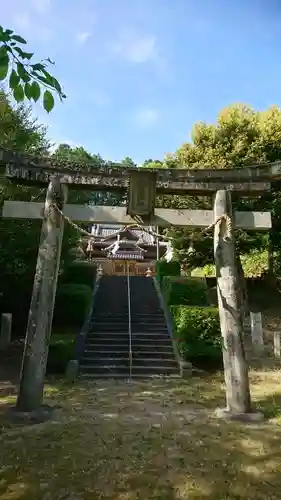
(142, 185)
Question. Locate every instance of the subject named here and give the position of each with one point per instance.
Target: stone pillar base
(252, 417)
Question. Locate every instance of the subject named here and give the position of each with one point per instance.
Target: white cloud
(31, 28)
(41, 6)
(99, 98)
(83, 37)
(145, 117)
(22, 21)
(135, 48)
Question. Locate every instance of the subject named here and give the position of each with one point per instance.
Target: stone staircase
(107, 345)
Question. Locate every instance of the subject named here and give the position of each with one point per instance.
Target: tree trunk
(42, 302)
(235, 366)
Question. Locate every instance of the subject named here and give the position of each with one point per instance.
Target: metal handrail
(129, 322)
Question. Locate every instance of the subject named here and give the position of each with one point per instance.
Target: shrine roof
(105, 231)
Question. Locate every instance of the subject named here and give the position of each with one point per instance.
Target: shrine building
(119, 250)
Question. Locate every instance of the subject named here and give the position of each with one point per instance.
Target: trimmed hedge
(197, 331)
(72, 304)
(164, 268)
(60, 352)
(185, 291)
(79, 272)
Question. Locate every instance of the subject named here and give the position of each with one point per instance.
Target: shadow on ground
(154, 440)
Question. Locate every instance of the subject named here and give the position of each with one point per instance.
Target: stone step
(134, 315)
(124, 327)
(139, 349)
(109, 326)
(103, 376)
(115, 361)
(152, 360)
(150, 370)
(125, 319)
(103, 353)
(110, 309)
(118, 376)
(88, 372)
(164, 354)
(104, 362)
(101, 370)
(136, 337)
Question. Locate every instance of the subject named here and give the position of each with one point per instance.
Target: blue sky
(139, 73)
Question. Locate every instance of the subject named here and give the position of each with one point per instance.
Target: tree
(26, 78)
(240, 136)
(128, 162)
(152, 163)
(18, 131)
(78, 158)
(19, 239)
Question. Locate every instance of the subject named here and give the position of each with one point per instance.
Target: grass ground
(144, 441)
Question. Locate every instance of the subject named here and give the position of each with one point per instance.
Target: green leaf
(35, 91)
(18, 39)
(4, 36)
(26, 55)
(48, 101)
(18, 93)
(37, 67)
(28, 90)
(41, 78)
(19, 51)
(4, 63)
(3, 51)
(14, 79)
(52, 81)
(22, 72)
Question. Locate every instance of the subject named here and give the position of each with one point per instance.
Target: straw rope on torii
(169, 251)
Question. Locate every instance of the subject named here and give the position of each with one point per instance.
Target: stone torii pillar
(40, 318)
(238, 399)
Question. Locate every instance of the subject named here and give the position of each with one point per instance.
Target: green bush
(61, 351)
(79, 272)
(197, 331)
(185, 291)
(164, 268)
(72, 304)
(254, 263)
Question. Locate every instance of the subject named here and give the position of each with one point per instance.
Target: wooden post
(42, 302)
(238, 399)
(6, 330)
(256, 329)
(277, 344)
